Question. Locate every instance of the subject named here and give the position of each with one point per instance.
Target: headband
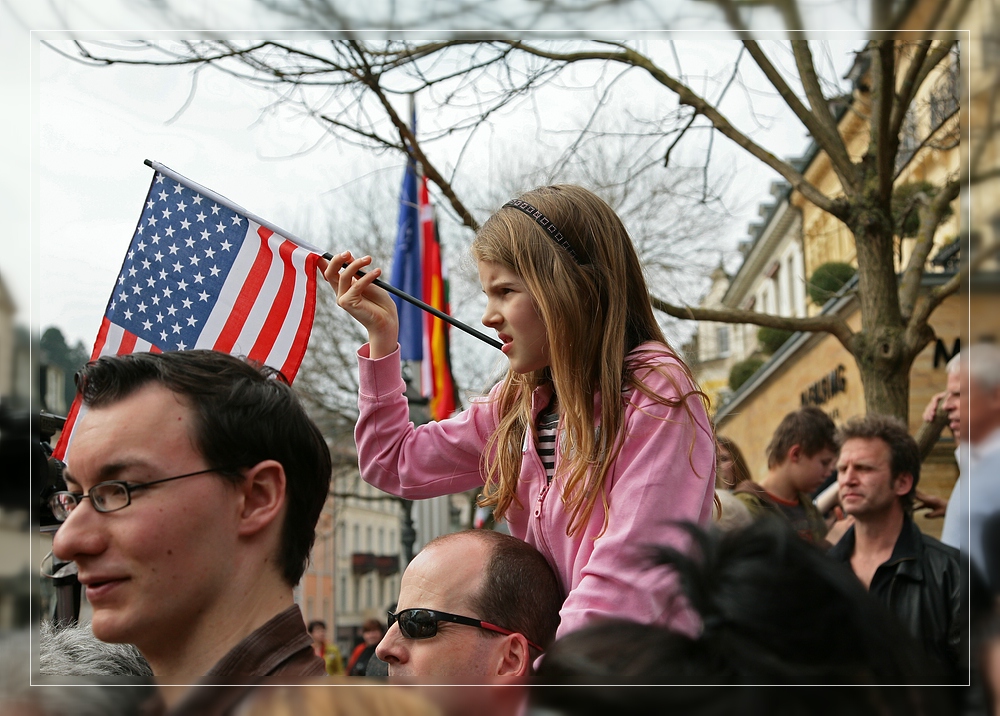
(543, 221)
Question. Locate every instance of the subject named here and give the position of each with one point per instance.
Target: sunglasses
(423, 624)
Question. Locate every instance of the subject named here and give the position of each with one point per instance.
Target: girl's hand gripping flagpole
(430, 309)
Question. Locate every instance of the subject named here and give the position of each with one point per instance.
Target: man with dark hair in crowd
(475, 607)
(195, 481)
(325, 650)
(799, 457)
(915, 576)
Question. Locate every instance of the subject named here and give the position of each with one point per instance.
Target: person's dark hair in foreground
(775, 612)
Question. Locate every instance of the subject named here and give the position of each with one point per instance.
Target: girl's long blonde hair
(595, 312)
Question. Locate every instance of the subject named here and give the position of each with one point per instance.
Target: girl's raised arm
(371, 306)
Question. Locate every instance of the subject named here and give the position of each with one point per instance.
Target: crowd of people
(641, 549)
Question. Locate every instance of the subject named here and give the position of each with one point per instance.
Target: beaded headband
(543, 221)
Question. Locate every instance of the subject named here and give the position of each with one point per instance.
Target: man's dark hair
(519, 590)
(244, 413)
(315, 623)
(774, 611)
(807, 427)
(903, 450)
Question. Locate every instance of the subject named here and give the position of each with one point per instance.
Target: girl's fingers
(349, 279)
(331, 269)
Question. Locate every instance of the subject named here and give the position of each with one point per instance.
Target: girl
(596, 438)
(730, 465)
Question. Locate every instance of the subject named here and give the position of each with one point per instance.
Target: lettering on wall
(941, 354)
(826, 387)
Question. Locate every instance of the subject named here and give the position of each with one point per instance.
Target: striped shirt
(548, 421)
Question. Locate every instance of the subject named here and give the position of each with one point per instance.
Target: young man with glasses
(475, 607)
(194, 483)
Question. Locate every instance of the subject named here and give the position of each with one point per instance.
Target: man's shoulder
(280, 646)
(937, 549)
(753, 496)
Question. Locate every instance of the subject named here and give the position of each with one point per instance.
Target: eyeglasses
(109, 496)
(423, 624)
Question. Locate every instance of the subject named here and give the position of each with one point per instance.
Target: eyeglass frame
(129, 487)
(437, 616)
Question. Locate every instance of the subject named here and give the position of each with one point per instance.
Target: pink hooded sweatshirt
(664, 473)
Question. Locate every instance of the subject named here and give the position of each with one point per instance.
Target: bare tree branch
(828, 137)
(407, 136)
(928, 141)
(884, 143)
(688, 97)
(909, 284)
(823, 130)
(921, 65)
(982, 176)
(931, 300)
(928, 434)
(812, 324)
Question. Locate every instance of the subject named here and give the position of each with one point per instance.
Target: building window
(722, 341)
(342, 596)
(381, 540)
(368, 538)
(368, 592)
(779, 289)
(357, 538)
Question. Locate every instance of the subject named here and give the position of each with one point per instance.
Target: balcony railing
(364, 562)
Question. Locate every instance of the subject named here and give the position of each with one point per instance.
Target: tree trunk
(883, 356)
(886, 384)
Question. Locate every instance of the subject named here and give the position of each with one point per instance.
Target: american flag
(199, 273)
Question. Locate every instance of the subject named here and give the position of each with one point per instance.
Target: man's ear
(794, 453)
(902, 484)
(263, 495)
(514, 663)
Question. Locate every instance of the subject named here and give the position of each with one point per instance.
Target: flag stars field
(166, 207)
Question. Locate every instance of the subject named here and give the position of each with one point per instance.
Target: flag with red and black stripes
(199, 274)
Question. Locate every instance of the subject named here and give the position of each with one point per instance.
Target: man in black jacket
(915, 576)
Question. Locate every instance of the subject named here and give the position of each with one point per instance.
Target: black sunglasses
(423, 624)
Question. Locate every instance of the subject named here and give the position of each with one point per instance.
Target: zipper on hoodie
(541, 500)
